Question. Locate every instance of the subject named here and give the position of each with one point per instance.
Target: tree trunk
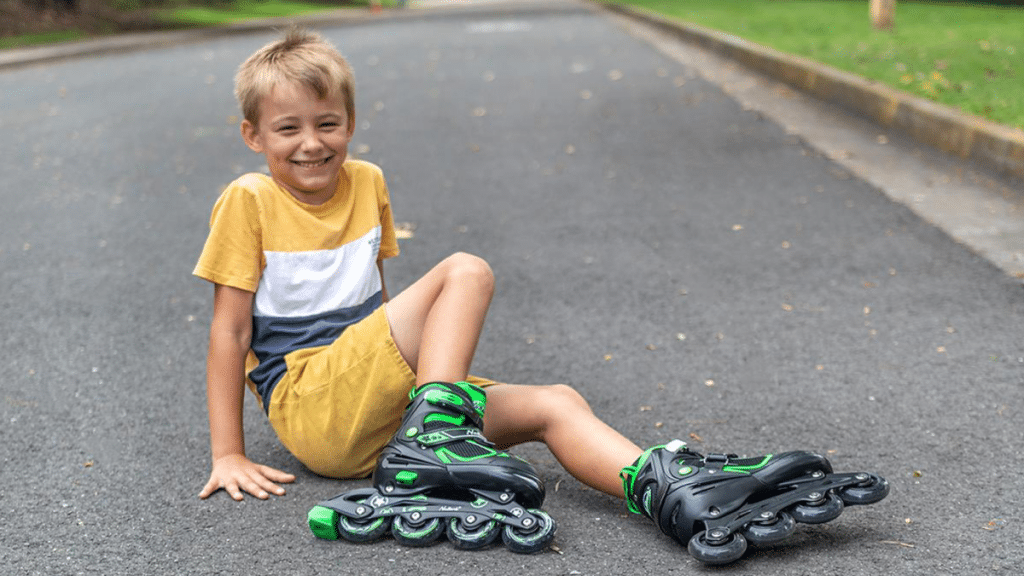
(883, 14)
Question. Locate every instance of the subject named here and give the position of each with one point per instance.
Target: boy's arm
(230, 338)
(383, 287)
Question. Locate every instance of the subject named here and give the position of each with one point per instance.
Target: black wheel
(730, 550)
(873, 489)
(355, 530)
(776, 530)
(532, 540)
(827, 509)
(473, 536)
(416, 531)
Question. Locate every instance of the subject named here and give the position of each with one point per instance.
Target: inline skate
(439, 476)
(715, 504)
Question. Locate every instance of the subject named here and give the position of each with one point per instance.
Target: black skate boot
(440, 475)
(716, 504)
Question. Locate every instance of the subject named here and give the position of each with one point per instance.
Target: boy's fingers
(206, 491)
(234, 492)
(255, 487)
(277, 475)
(268, 486)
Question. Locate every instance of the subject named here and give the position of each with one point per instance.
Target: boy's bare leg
(437, 321)
(436, 324)
(557, 415)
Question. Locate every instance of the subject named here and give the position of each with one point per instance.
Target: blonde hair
(300, 57)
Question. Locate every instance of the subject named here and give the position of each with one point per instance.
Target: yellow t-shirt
(313, 269)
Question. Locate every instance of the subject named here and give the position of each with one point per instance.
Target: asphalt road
(690, 267)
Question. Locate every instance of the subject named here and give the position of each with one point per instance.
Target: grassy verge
(242, 10)
(99, 18)
(966, 56)
(41, 38)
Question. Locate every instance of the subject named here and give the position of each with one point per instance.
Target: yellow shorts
(339, 405)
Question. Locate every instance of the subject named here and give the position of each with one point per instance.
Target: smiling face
(304, 138)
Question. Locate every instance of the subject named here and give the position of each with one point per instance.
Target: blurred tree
(883, 14)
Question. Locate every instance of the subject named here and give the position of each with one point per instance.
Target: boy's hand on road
(235, 473)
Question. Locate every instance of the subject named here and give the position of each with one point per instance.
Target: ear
(252, 137)
(351, 121)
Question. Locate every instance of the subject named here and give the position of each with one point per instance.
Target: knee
(563, 398)
(469, 269)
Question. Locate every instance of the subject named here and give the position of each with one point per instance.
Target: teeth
(311, 164)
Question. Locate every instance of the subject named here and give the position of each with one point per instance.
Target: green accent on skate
(443, 397)
(748, 469)
(629, 474)
(454, 420)
(476, 394)
(685, 471)
(448, 436)
(411, 433)
(406, 477)
(447, 456)
(434, 438)
(323, 522)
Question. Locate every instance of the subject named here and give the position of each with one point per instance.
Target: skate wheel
(354, 530)
(761, 533)
(717, 554)
(827, 510)
(533, 540)
(323, 522)
(472, 536)
(874, 489)
(409, 532)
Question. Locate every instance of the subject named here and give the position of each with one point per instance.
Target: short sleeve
(388, 240)
(233, 254)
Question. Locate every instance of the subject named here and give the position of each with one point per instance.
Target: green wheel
(416, 531)
(471, 536)
(532, 540)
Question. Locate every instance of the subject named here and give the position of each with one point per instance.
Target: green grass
(966, 56)
(41, 38)
(245, 10)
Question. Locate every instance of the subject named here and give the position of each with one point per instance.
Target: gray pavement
(693, 267)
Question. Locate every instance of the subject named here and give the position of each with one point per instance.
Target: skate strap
(462, 398)
(449, 435)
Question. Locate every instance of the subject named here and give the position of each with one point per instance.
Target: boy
(302, 314)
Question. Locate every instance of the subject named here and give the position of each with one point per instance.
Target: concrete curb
(940, 126)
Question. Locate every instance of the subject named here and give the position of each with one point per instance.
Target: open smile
(312, 163)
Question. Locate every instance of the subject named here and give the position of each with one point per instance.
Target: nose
(311, 140)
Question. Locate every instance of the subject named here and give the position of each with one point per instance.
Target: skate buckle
(716, 459)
